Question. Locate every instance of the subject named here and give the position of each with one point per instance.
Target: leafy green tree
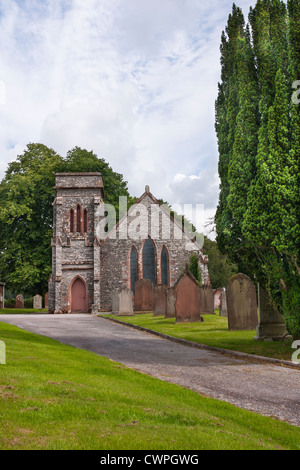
(26, 211)
(81, 160)
(26, 196)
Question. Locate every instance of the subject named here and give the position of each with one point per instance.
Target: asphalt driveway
(264, 388)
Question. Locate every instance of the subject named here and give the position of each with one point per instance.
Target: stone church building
(88, 266)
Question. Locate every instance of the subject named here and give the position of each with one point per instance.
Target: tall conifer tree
(256, 220)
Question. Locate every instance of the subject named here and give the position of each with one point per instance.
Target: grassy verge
(213, 332)
(55, 396)
(6, 311)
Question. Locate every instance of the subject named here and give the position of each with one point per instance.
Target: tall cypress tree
(227, 110)
(244, 146)
(294, 38)
(291, 300)
(256, 220)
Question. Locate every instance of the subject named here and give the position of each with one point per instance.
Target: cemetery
(243, 312)
(136, 321)
(242, 306)
(238, 318)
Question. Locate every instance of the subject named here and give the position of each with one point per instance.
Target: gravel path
(261, 387)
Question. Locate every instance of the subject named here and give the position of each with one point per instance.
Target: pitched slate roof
(147, 193)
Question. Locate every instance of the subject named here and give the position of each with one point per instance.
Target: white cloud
(135, 81)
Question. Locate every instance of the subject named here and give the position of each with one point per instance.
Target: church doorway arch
(78, 296)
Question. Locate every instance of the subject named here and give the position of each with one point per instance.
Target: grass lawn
(6, 311)
(55, 396)
(213, 332)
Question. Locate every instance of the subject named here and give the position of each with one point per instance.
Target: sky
(133, 80)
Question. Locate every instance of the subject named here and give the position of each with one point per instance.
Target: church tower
(75, 282)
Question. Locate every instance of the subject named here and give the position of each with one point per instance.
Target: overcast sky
(133, 80)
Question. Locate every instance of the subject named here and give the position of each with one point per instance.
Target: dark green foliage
(219, 267)
(26, 196)
(258, 130)
(294, 38)
(194, 268)
(81, 160)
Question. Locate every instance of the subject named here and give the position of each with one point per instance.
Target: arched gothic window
(71, 221)
(85, 221)
(133, 268)
(78, 217)
(164, 266)
(149, 261)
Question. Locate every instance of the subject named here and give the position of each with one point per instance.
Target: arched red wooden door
(78, 296)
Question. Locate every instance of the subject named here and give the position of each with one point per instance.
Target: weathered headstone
(223, 304)
(207, 300)
(2, 295)
(241, 303)
(160, 299)
(2, 353)
(38, 301)
(171, 303)
(143, 296)
(122, 302)
(271, 324)
(47, 300)
(217, 298)
(188, 299)
(19, 301)
(115, 302)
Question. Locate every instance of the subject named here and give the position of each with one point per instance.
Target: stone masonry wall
(103, 263)
(115, 252)
(73, 252)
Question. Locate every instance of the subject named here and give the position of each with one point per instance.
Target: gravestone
(143, 296)
(241, 303)
(188, 299)
(223, 304)
(217, 298)
(171, 303)
(160, 300)
(47, 300)
(207, 300)
(115, 301)
(19, 301)
(271, 324)
(122, 302)
(37, 301)
(2, 301)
